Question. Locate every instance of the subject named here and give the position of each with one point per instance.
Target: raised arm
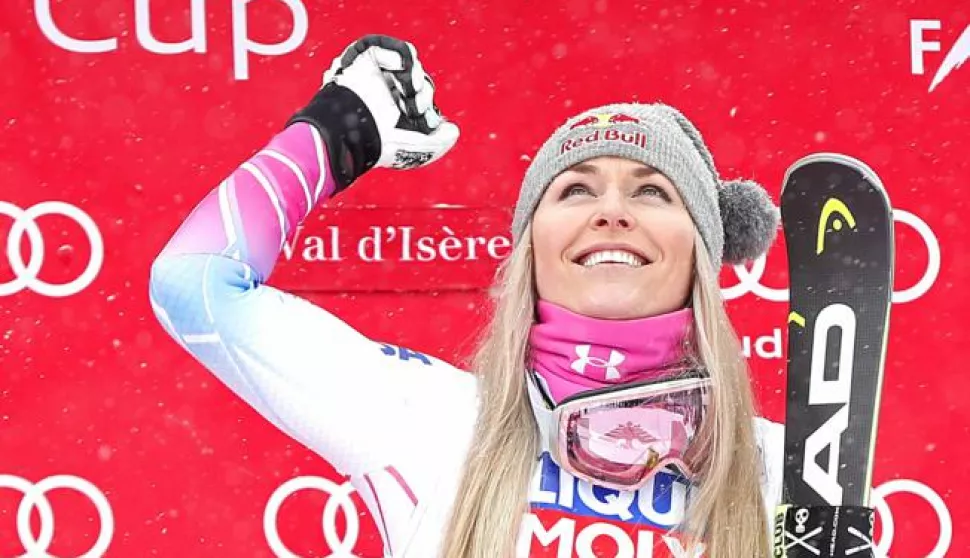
(303, 369)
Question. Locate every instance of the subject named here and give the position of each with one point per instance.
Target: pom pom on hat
(750, 220)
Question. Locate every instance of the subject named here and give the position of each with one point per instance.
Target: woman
(609, 412)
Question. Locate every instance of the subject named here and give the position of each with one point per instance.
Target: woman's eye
(574, 189)
(651, 190)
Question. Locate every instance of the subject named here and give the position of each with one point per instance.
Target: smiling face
(612, 239)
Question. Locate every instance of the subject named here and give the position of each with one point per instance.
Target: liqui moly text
(572, 518)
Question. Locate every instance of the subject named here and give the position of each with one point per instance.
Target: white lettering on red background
(919, 44)
(765, 346)
(242, 44)
(400, 243)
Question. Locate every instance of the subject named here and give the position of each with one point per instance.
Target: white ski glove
(376, 108)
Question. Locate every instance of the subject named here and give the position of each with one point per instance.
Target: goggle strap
(543, 415)
(692, 377)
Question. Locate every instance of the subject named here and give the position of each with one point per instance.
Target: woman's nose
(613, 214)
(612, 221)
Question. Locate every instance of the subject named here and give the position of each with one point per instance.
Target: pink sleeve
(250, 214)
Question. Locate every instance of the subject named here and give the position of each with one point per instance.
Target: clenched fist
(376, 108)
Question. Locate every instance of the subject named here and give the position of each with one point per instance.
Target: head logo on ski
(834, 205)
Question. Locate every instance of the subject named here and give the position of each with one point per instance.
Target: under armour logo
(584, 360)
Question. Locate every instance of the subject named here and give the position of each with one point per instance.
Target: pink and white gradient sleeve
(354, 401)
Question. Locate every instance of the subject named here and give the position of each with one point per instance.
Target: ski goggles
(619, 437)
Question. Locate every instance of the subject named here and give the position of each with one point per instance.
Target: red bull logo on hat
(602, 131)
(603, 120)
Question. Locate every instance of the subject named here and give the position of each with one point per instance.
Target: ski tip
(834, 158)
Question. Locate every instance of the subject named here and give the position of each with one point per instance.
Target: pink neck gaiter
(575, 353)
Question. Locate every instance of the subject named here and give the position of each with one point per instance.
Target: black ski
(838, 227)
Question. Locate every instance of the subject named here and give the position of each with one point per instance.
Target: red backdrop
(131, 110)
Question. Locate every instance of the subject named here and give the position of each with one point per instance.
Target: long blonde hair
(725, 512)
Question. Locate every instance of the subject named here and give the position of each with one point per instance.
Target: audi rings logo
(749, 281)
(906, 486)
(35, 497)
(25, 273)
(339, 500)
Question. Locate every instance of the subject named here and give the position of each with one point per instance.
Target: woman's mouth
(623, 257)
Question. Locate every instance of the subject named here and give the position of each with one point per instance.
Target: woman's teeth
(612, 256)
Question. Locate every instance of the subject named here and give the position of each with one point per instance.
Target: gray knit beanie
(736, 218)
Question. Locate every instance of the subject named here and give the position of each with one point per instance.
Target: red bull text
(635, 138)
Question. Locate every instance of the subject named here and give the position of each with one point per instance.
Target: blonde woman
(609, 411)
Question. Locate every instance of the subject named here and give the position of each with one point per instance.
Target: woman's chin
(614, 309)
(615, 304)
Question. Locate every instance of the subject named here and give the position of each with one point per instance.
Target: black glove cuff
(823, 532)
(348, 129)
